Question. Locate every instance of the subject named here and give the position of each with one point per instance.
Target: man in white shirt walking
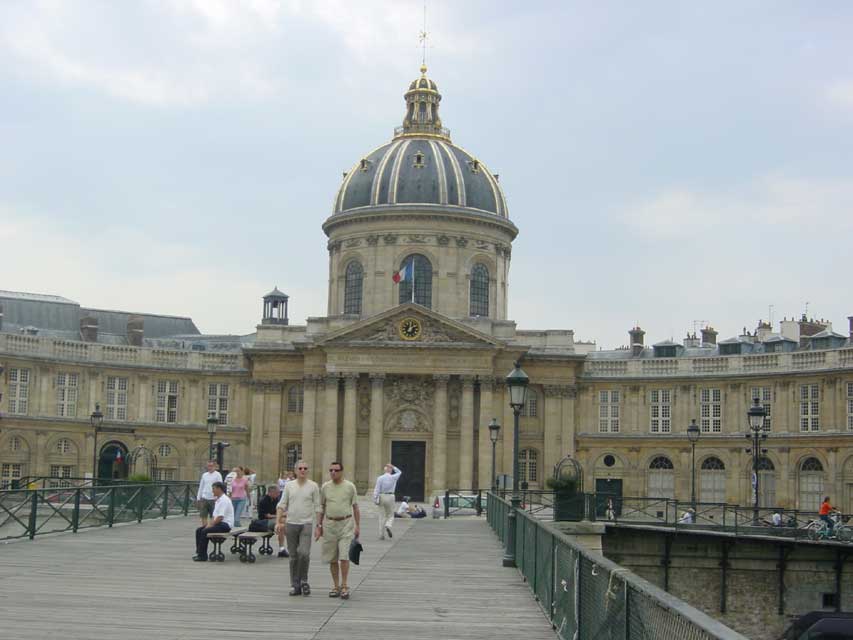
(383, 495)
(205, 497)
(297, 508)
(223, 520)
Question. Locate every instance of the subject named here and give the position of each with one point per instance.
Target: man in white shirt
(223, 520)
(297, 508)
(205, 497)
(383, 495)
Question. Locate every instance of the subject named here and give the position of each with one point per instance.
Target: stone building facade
(408, 364)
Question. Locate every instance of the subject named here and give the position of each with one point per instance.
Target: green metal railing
(26, 513)
(586, 596)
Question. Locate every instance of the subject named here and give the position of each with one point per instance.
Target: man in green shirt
(339, 523)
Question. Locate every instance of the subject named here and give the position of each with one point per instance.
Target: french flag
(405, 274)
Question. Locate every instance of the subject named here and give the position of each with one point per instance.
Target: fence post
(479, 502)
(111, 509)
(75, 515)
(140, 505)
(186, 500)
(34, 505)
(165, 505)
(446, 504)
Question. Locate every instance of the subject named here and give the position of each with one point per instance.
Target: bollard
(436, 506)
(446, 505)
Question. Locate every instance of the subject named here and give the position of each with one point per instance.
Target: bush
(139, 478)
(563, 484)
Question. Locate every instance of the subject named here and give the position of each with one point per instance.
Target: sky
(668, 164)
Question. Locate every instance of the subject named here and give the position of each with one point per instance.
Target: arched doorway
(112, 461)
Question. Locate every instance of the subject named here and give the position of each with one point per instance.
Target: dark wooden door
(410, 457)
(607, 489)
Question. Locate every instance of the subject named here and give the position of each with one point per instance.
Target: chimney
(849, 319)
(89, 328)
(691, 340)
(709, 336)
(636, 341)
(135, 330)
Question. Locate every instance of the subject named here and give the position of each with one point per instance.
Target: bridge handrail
(570, 580)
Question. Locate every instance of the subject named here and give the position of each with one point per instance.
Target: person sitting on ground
(223, 520)
(417, 512)
(403, 509)
(267, 517)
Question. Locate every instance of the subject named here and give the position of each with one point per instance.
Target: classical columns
(256, 433)
(439, 435)
(567, 439)
(329, 430)
(466, 434)
(377, 425)
(553, 430)
(484, 443)
(269, 458)
(350, 409)
(309, 417)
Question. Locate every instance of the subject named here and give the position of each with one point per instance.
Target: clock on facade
(410, 328)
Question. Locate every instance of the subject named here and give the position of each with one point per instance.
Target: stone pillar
(329, 430)
(309, 418)
(466, 434)
(350, 412)
(256, 428)
(267, 464)
(484, 443)
(439, 436)
(553, 429)
(377, 426)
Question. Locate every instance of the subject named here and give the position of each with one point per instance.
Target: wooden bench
(217, 539)
(248, 539)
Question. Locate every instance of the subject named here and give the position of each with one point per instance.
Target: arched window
(528, 467)
(530, 408)
(295, 398)
(766, 482)
(479, 291)
(64, 446)
(294, 453)
(416, 273)
(811, 484)
(353, 288)
(661, 478)
(164, 450)
(712, 481)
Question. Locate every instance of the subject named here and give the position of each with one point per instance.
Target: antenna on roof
(696, 323)
(770, 314)
(422, 37)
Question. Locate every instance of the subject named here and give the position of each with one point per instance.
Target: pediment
(384, 330)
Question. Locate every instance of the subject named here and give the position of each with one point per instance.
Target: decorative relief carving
(410, 391)
(334, 246)
(467, 382)
(553, 391)
(634, 388)
(461, 242)
(441, 378)
(481, 244)
(417, 238)
(734, 386)
(372, 241)
(390, 238)
(353, 242)
(443, 241)
(431, 332)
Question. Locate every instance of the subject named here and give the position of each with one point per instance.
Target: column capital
(560, 391)
(330, 379)
(487, 382)
(350, 380)
(441, 378)
(310, 379)
(377, 380)
(467, 382)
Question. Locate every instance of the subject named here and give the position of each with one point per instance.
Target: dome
(421, 166)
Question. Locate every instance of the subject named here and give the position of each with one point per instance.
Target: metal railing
(26, 513)
(585, 596)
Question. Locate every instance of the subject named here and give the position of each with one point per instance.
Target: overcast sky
(666, 163)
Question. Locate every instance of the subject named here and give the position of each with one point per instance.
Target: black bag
(259, 526)
(355, 550)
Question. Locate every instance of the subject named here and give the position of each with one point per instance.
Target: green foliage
(563, 484)
(139, 478)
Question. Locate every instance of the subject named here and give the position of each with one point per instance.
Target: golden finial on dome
(423, 70)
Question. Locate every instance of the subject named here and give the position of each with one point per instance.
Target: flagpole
(413, 279)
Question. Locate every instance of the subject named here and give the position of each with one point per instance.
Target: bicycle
(820, 530)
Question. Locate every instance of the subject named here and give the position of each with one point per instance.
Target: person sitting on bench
(267, 517)
(223, 520)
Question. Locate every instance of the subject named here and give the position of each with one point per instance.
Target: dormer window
(364, 165)
(475, 166)
(419, 159)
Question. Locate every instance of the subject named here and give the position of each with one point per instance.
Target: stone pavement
(435, 579)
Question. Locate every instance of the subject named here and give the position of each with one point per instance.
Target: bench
(248, 539)
(217, 539)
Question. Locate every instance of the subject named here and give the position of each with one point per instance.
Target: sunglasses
(334, 470)
(302, 468)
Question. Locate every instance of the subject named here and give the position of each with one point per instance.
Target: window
(66, 395)
(167, 401)
(294, 454)
(116, 398)
(19, 391)
(712, 481)
(479, 291)
(710, 411)
(661, 410)
(850, 406)
(419, 159)
(766, 482)
(661, 478)
(530, 407)
(14, 443)
(809, 407)
(165, 475)
(811, 484)
(528, 470)
(295, 398)
(217, 402)
(608, 411)
(64, 446)
(8, 473)
(61, 472)
(420, 281)
(164, 450)
(353, 288)
(765, 396)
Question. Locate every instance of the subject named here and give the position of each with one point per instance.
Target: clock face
(410, 328)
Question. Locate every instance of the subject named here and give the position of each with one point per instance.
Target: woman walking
(239, 493)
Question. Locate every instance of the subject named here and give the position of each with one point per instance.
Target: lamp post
(212, 423)
(494, 430)
(96, 420)
(756, 415)
(516, 383)
(693, 437)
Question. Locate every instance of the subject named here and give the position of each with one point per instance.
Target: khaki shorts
(205, 508)
(337, 537)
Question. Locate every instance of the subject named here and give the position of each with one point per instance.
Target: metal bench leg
(266, 547)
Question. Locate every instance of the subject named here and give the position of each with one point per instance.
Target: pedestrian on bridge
(383, 495)
(297, 508)
(223, 521)
(205, 498)
(340, 523)
(825, 510)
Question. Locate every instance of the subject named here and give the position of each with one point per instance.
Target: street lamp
(212, 423)
(756, 415)
(96, 420)
(516, 383)
(693, 436)
(494, 430)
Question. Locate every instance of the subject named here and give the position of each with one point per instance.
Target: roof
(35, 297)
(826, 333)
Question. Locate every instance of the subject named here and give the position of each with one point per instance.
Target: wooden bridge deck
(435, 579)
